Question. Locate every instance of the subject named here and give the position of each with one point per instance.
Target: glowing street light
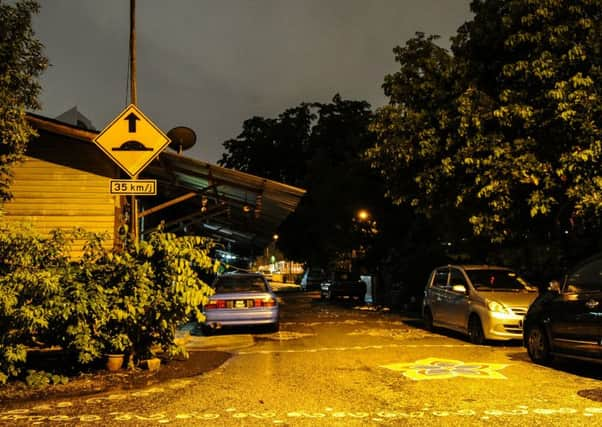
(363, 214)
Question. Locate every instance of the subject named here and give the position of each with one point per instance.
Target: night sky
(210, 65)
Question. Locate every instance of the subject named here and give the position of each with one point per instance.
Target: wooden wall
(64, 183)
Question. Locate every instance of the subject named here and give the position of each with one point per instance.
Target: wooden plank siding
(64, 183)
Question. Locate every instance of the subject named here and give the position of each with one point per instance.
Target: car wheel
(538, 346)
(274, 327)
(475, 330)
(207, 330)
(428, 320)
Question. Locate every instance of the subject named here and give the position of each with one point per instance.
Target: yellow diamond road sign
(132, 140)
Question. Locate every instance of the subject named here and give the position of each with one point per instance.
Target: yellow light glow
(363, 214)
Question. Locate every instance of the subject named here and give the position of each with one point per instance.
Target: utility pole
(134, 101)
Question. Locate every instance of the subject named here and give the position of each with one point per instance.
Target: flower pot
(114, 362)
(151, 364)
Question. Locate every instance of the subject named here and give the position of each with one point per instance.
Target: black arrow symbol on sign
(131, 118)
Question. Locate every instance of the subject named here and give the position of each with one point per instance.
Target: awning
(237, 208)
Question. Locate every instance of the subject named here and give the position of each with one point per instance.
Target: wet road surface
(345, 365)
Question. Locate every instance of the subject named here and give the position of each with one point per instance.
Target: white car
(241, 299)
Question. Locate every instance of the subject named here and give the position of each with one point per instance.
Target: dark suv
(343, 283)
(566, 320)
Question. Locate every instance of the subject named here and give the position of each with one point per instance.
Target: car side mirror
(461, 289)
(554, 286)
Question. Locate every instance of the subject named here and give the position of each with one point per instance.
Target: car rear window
(226, 284)
(496, 279)
(344, 276)
(586, 278)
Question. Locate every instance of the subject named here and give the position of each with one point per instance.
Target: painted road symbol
(132, 141)
(434, 368)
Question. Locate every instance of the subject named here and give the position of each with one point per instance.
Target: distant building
(75, 118)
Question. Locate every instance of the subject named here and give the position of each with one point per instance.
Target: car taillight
(268, 302)
(265, 302)
(213, 304)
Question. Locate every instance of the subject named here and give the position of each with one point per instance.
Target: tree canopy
(21, 62)
(504, 134)
(316, 146)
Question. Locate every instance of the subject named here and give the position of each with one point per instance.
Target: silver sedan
(241, 299)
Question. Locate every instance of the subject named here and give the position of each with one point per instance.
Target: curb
(221, 342)
(189, 336)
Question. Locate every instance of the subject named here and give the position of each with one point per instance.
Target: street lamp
(271, 259)
(363, 214)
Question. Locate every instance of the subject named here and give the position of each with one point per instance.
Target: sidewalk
(192, 338)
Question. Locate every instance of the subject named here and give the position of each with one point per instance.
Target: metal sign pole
(134, 101)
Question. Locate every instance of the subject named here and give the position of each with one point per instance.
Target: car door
(437, 293)
(456, 303)
(575, 319)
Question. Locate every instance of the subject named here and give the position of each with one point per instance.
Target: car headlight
(497, 307)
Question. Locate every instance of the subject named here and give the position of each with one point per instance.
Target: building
(64, 182)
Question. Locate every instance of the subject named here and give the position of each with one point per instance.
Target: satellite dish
(182, 138)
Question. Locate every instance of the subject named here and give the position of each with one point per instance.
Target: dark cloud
(210, 65)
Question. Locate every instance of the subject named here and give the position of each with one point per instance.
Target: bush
(83, 307)
(153, 286)
(127, 300)
(31, 272)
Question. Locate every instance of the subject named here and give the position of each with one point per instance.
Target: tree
(273, 148)
(21, 62)
(415, 152)
(510, 138)
(318, 147)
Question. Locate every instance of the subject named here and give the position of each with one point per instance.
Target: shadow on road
(417, 322)
(234, 330)
(570, 366)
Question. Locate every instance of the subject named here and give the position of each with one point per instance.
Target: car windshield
(229, 284)
(587, 278)
(490, 279)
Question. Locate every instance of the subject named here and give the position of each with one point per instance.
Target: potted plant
(116, 348)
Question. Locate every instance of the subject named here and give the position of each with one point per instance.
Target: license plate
(240, 304)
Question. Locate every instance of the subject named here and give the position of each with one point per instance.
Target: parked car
(312, 278)
(241, 299)
(343, 284)
(481, 301)
(566, 320)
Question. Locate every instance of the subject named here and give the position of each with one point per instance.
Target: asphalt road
(342, 365)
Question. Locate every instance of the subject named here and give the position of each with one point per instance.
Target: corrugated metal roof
(239, 209)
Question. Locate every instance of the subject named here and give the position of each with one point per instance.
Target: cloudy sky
(211, 64)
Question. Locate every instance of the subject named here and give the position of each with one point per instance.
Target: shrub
(31, 270)
(83, 307)
(154, 286)
(122, 300)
